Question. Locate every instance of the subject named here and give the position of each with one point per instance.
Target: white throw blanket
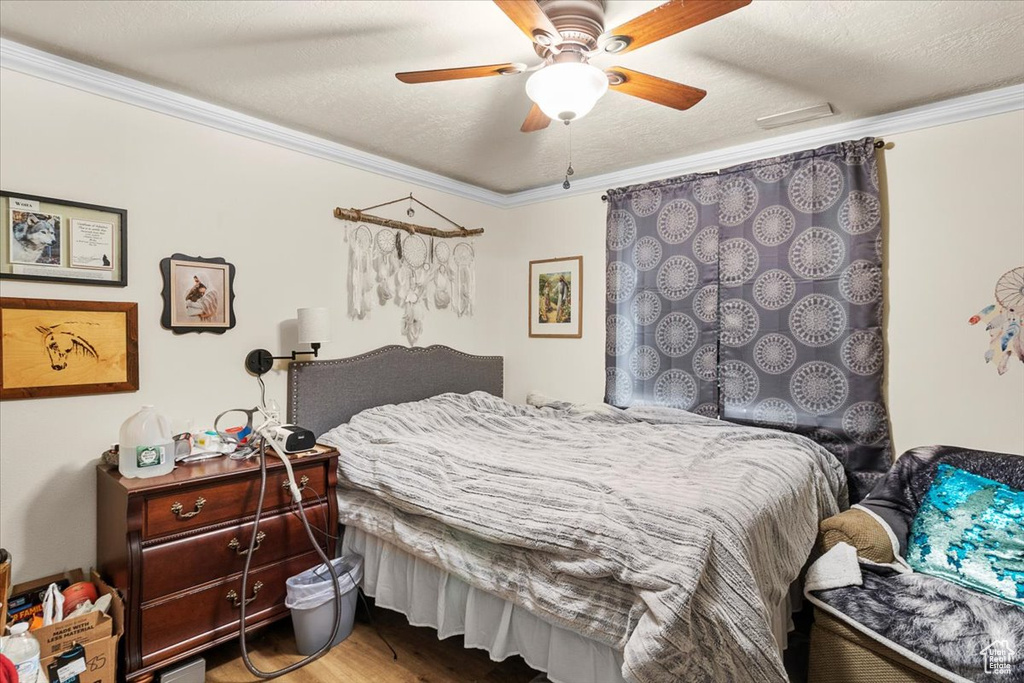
(667, 535)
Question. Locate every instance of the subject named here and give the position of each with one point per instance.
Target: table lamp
(314, 329)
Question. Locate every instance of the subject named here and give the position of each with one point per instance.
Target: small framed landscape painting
(556, 297)
(50, 347)
(198, 294)
(62, 241)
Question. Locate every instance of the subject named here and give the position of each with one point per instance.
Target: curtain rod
(879, 144)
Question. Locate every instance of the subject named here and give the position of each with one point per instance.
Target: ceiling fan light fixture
(567, 91)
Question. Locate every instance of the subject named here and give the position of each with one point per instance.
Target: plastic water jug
(22, 649)
(147, 445)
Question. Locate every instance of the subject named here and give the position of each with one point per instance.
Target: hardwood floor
(422, 658)
(363, 658)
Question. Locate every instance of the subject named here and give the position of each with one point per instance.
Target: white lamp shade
(567, 91)
(314, 325)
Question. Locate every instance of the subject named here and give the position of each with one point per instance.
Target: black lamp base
(259, 361)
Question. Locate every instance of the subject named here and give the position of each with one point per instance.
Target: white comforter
(667, 535)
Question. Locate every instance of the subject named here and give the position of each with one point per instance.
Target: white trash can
(310, 597)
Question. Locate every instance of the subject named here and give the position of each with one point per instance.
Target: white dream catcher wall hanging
(410, 265)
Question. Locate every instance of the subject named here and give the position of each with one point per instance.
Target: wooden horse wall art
(62, 342)
(51, 347)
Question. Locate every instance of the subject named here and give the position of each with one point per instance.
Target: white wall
(956, 223)
(202, 192)
(955, 202)
(570, 369)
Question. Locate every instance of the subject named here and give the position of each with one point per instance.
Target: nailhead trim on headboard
(298, 371)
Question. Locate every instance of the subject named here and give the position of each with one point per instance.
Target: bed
(601, 545)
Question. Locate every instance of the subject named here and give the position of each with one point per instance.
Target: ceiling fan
(566, 34)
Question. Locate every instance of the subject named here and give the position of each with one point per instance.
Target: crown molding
(33, 62)
(963, 108)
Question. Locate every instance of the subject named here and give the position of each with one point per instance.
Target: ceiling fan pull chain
(568, 170)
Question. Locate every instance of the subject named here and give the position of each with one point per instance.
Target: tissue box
(97, 633)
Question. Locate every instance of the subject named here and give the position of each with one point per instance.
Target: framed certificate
(42, 238)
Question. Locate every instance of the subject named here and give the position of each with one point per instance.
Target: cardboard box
(97, 633)
(27, 605)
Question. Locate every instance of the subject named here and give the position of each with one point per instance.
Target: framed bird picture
(50, 347)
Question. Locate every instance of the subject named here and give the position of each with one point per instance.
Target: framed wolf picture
(51, 347)
(56, 240)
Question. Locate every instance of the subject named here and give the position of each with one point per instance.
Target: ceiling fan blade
(457, 73)
(654, 89)
(529, 17)
(535, 120)
(671, 18)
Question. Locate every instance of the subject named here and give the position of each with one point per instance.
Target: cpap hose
(297, 496)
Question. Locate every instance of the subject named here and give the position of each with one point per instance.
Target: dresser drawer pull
(236, 545)
(303, 480)
(177, 508)
(232, 596)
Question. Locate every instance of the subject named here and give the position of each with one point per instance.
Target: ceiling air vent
(788, 118)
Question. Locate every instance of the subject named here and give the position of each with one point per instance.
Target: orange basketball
(76, 594)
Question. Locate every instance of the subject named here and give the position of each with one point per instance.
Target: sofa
(878, 620)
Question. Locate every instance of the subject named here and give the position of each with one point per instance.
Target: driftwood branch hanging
(358, 216)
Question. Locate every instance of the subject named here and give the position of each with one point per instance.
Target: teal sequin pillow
(970, 530)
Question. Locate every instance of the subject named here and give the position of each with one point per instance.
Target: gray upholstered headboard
(323, 394)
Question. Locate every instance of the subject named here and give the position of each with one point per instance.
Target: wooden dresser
(175, 547)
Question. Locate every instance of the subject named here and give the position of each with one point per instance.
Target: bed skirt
(429, 596)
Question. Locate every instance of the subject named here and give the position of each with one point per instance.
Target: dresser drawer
(196, 507)
(181, 564)
(194, 619)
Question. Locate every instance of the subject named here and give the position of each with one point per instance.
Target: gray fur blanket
(946, 624)
(667, 535)
(953, 630)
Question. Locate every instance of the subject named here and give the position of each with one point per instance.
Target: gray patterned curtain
(661, 339)
(787, 309)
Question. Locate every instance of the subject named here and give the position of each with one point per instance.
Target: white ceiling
(327, 68)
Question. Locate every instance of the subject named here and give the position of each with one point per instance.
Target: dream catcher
(465, 281)
(359, 283)
(442, 275)
(412, 283)
(409, 271)
(385, 264)
(1003, 320)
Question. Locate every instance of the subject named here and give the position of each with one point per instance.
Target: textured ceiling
(327, 68)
